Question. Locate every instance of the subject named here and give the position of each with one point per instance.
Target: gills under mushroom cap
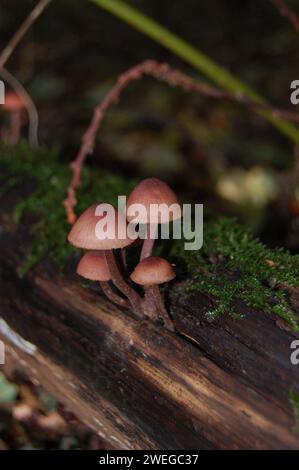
(153, 270)
(105, 231)
(93, 266)
(153, 191)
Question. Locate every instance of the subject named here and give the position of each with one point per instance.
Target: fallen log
(223, 384)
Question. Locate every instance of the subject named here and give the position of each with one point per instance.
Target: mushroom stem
(149, 241)
(153, 300)
(15, 126)
(112, 295)
(117, 278)
(149, 304)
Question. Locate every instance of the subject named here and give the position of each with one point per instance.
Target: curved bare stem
(22, 30)
(29, 104)
(173, 77)
(286, 11)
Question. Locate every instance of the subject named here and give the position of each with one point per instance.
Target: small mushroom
(149, 273)
(86, 234)
(149, 192)
(14, 105)
(93, 266)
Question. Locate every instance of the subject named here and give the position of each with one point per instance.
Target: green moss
(232, 265)
(294, 399)
(46, 201)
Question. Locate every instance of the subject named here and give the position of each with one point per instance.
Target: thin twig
(192, 55)
(29, 104)
(22, 30)
(13, 82)
(167, 74)
(286, 11)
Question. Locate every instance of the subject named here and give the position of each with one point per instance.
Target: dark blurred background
(212, 151)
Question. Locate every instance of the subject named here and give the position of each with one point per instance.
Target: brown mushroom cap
(93, 266)
(153, 270)
(83, 233)
(154, 191)
(13, 101)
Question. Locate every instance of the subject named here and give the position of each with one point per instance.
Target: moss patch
(234, 265)
(46, 201)
(231, 265)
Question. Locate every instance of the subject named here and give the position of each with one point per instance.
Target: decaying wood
(223, 384)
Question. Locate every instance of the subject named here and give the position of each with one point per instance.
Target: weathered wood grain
(211, 385)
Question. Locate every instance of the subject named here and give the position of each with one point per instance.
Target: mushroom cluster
(105, 261)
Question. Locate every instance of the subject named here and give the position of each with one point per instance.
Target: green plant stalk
(193, 56)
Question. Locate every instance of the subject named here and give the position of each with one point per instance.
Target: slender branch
(193, 56)
(286, 11)
(172, 77)
(29, 104)
(13, 82)
(20, 33)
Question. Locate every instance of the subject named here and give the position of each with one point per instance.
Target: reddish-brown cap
(13, 101)
(154, 191)
(153, 270)
(93, 266)
(105, 231)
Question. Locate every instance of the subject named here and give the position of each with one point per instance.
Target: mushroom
(14, 105)
(149, 273)
(147, 193)
(87, 233)
(93, 266)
